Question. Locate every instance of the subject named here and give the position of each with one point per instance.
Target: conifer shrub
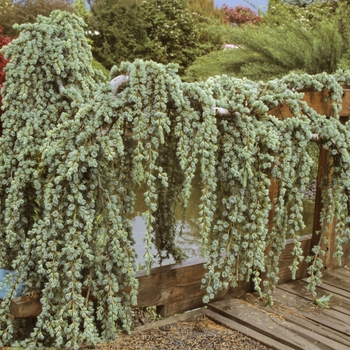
(4, 40)
(75, 146)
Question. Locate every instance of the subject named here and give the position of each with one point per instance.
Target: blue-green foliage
(74, 148)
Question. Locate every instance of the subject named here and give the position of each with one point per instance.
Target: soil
(199, 334)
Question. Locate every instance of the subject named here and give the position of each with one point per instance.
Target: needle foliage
(74, 147)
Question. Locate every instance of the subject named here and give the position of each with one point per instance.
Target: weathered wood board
(172, 288)
(341, 282)
(286, 260)
(237, 326)
(326, 317)
(319, 101)
(332, 288)
(273, 325)
(25, 306)
(295, 320)
(338, 302)
(176, 288)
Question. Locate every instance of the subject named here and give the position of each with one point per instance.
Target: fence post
(324, 173)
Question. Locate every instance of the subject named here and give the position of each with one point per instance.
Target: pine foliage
(4, 40)
(313, 39)
(74, 147)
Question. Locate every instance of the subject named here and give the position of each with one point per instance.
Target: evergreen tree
(172, 30)
(75, 146)
(24, 11)
(121, 28)
(3, 41)
(160, 30)
(80, 9)
(212, 29)
(292, 38)
(206, 8)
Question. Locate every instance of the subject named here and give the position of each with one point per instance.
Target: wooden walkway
(294, 322)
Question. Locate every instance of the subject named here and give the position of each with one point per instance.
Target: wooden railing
(321, 103)
(177, 288)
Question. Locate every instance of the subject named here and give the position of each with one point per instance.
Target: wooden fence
(177, 288)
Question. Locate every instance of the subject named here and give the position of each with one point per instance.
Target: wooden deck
(294, 322)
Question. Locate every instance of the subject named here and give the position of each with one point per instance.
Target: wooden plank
(286, 260)
(335, 280)
(272, 325)
(323, 288)
(229, 323)
(342, 273)
(324, 178)
(172, 288)
(176, 288)
(327, 317)
(345, 111)
(311, 326)
(25, 306)
(346, 267)
(345, 259)
(332, 289)
(338, 302)
(319, 101)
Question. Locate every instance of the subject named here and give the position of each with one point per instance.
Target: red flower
(240, 15)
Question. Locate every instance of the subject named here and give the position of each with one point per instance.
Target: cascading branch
(74, 148)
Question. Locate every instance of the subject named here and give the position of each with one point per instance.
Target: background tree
(291, 38)
(122, 31)
(212, 31)
(164, 31)
(311, 39)
(172, 29)
(26, 11)
(239, 15)
(80, 9)
(206, 8)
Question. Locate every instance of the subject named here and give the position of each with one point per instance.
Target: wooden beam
(286, 260)
(318, 101)
(322, 166)
(173, 288)
(345, 112)
(239, 327)
(25, 306)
